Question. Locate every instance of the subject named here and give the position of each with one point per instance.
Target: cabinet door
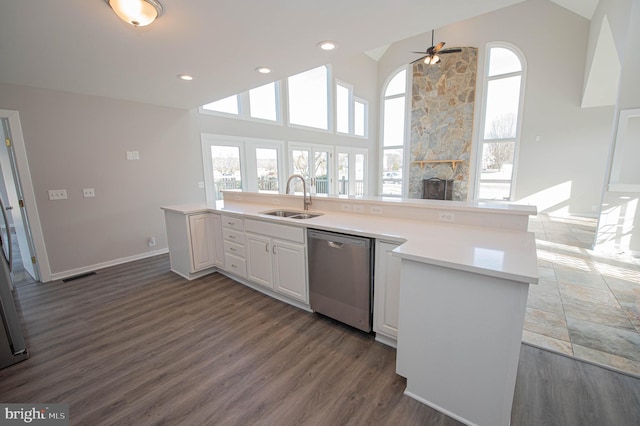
(218, 245)
(290, 270)
(387, 290)
(202, 241)
(259, 268)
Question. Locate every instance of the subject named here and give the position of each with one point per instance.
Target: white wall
(561, 172)
(619, 224)
(75, 142)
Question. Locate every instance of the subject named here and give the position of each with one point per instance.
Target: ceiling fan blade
(419, 59)
(421, 53)
(438, 46)
(449, 51)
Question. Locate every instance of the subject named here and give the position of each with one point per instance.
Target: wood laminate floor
(136, 344)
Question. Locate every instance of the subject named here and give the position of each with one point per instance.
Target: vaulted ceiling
(81, 46)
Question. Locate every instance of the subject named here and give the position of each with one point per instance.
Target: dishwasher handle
(335, 245)
(342, 239)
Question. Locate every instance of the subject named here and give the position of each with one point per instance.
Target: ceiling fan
(430, 56)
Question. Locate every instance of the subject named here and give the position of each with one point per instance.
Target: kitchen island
(455, 278)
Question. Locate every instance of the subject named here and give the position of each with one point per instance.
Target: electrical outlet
(376, 210)
(57, 194)
(446, 217)
(88, 192)
(151, 241)
(276, 201)
(201, 185)
(357, 208)
(133, 155)
(346, 207)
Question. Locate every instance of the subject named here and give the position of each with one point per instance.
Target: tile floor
(587, 303)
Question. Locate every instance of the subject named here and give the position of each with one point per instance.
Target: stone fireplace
(442, 122)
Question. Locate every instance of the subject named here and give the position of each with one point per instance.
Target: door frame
(24, 175)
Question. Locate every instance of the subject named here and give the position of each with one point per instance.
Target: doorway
(18, 229)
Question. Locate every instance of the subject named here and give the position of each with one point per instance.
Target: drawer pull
(231, 223)
(232, 248)
(234, 266)
(233, 237)
(273, 249)
(266, 247)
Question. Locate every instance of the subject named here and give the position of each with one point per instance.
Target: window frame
(382, 148)
(351, 152)
(350, 107)
(330, 103)
(278, 105)
(481, 141)
(365, 103)
(313, 148)
(244, 106)
(209, 140)
(248, 161)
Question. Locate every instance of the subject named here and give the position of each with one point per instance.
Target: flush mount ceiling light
(263, 70)
(327, 45)
(136, 12)
(185, 77)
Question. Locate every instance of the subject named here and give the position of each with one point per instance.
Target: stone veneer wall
(442, 120)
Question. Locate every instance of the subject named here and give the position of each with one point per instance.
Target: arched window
(393, 131)
(500, 125)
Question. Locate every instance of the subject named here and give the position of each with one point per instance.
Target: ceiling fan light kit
(431, 54)
(138, 13)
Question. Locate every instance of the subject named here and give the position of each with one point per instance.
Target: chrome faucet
(304, 190)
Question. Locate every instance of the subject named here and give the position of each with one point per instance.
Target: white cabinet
(260, 260)
(234, 245)
(290, 269)
(386, 292)
(206, 249)
(276, 258)
(195, 243)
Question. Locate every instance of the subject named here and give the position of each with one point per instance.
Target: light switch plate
(88, 192)
(57, 194)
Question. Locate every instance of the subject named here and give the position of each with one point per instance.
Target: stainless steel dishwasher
(340, 277)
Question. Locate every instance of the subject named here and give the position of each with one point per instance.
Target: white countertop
(493, 252)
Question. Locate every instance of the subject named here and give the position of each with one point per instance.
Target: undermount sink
(291, 214)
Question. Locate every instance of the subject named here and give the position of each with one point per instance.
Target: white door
(14, 203)
(351, 167)
(314, 163)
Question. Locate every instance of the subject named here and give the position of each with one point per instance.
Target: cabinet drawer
(283, 232)
(232, 223)
(233, 236)
(235, 265)
(233, 248)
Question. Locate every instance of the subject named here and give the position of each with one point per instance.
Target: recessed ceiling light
(327, 45)
(263, 70)
(185, 77)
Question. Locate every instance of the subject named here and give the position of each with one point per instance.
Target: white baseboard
(102, 265)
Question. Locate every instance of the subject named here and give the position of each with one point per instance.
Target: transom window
(309, 98)
(499, 135)
(308, 101)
